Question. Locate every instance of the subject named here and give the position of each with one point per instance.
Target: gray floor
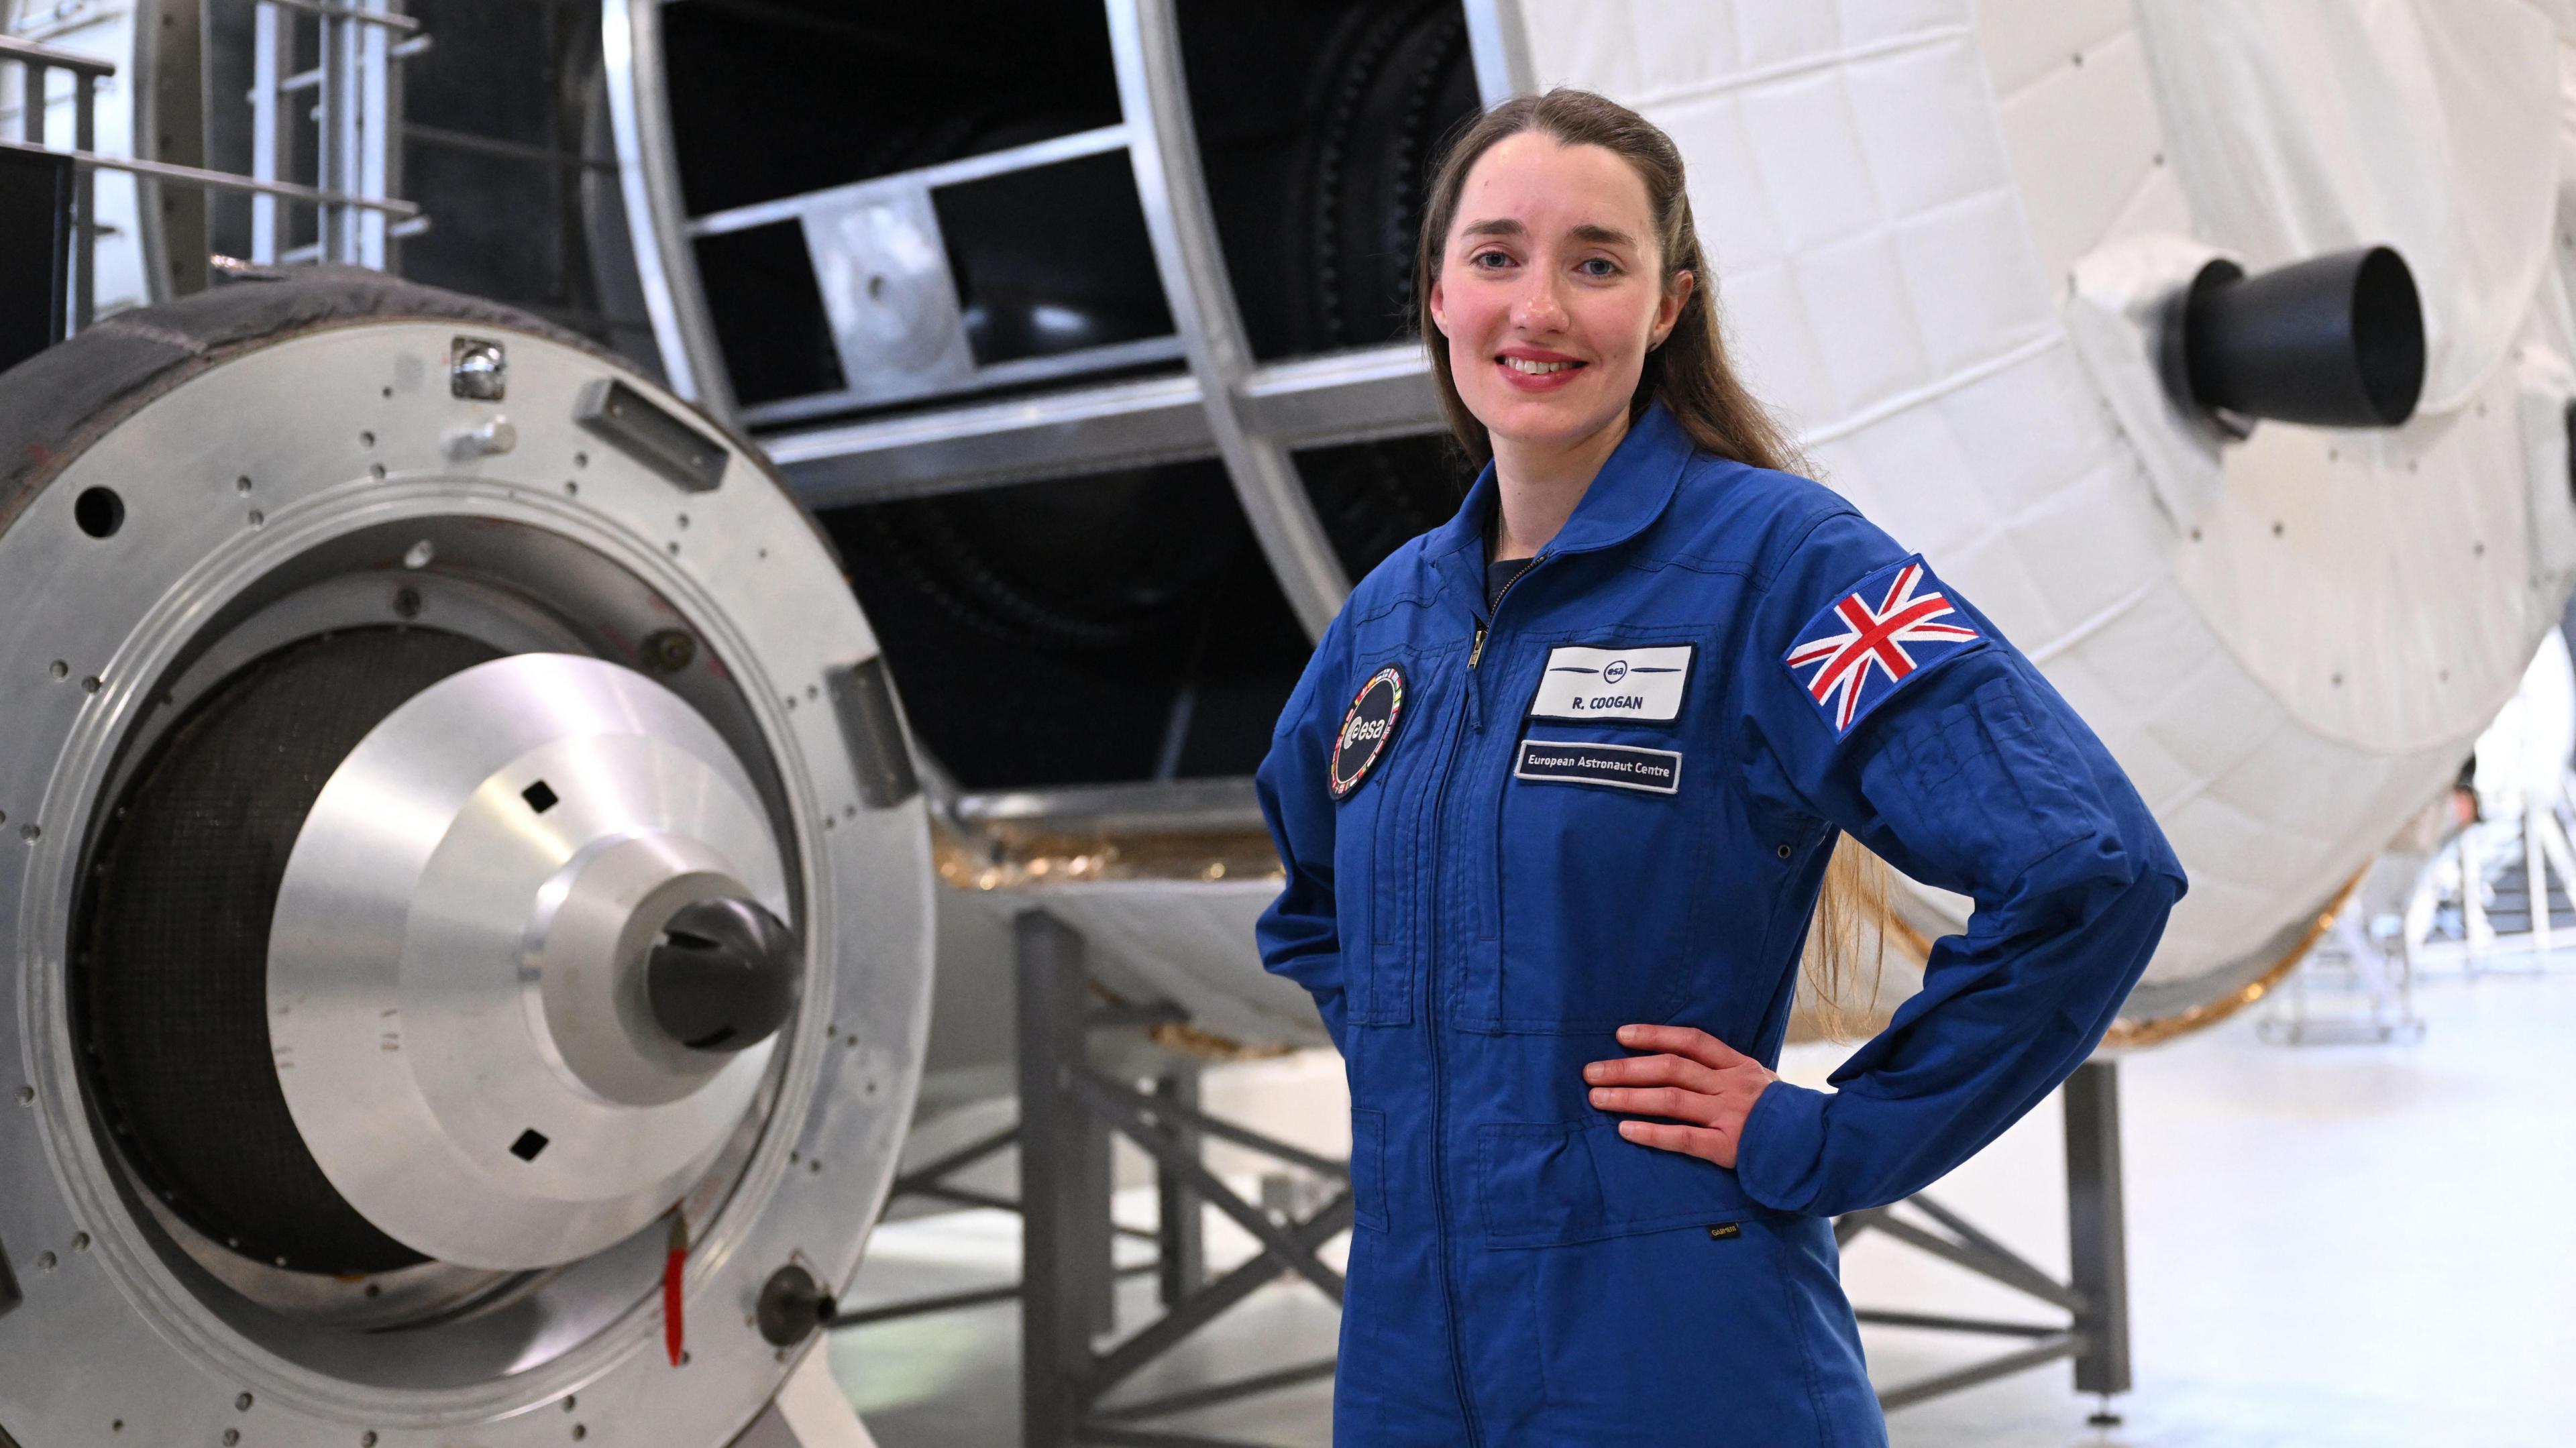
(2330, 1246)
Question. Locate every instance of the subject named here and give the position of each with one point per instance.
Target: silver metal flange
(293, 475)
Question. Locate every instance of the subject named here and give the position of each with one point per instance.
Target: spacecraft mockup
(357, 627)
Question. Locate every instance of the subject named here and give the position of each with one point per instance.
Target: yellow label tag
(1724, 1230)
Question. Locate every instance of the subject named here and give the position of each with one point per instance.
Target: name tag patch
(1585, 683)
(1620, 766)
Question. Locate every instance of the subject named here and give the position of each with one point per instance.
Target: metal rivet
(376, 471)
(570, 1402)
(242, 1403)
(31, 833)
(366, 439)
(241, 484)
(91, 684)
(45, 1261)
(1784, 852)
(26, 1095)
(231, 1436)
(571, 488)
(367, 1439)
(419, 554)
(581, 460)
(59, 669)
(80, 1241)
(406, 603)
(579, 1432)
(257, 518)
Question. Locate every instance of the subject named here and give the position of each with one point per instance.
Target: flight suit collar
(1629, 493)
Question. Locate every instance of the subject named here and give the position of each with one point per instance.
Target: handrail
(227, 181)
(385, 18)
(50, 58)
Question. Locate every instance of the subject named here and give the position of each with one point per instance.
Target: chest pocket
(1601, 836)
(1379, 874)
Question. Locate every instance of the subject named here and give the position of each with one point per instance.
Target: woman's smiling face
(1549, 291)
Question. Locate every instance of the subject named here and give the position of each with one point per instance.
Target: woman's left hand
(1698, 1079)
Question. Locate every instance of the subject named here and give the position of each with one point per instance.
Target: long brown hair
(1691, 375)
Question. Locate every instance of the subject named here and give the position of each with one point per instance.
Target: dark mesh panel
(171, 979)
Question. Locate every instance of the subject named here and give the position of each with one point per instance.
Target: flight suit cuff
(1783, 1137)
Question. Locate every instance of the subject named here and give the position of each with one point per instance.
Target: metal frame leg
(1056, 1323)
(2097, 1228)
(1066, 1112)
(1179, 1219)
(2096, 1296)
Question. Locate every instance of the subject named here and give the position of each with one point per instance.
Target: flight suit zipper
(1476, 653)
(1431, 1005)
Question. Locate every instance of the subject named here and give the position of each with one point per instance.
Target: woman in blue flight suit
(1533, 812)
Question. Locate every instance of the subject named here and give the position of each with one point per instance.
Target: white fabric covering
(1898, 196)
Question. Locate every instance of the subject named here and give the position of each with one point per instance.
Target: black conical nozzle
(2333, 341)
(723, 976)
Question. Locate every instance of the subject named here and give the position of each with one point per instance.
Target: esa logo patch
(1367, 729)
(1864, 646)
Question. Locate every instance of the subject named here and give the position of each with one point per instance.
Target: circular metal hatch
(371, 520)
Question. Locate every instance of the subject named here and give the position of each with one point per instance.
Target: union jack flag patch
(1872, 641)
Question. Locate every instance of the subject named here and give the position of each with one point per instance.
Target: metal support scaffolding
(358, 88)
(35, 97)
(1068, 1281)
(2096, 1298)
(1067, 1304)
(353, 153)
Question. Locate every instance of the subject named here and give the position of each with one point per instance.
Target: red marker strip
(673, 1265)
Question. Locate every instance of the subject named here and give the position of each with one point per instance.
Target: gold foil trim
(2128, 1035)
(1183, 1039)
(1008, 857)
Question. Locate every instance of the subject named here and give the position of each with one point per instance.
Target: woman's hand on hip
(1696, 1080)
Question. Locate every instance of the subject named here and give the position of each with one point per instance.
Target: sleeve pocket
(1548, 1184)
(1986, 786)
(1368, 1168)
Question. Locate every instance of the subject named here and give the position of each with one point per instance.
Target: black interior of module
(1126, 626)
(775, 98)
(35, 252)
(1079, 631)
(1120, 626)
(1319, 125)
(1086, 279)
(170, 971)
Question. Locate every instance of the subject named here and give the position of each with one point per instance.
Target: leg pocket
(1679, 1336)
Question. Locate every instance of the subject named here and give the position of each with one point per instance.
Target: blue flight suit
(1498, 892)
